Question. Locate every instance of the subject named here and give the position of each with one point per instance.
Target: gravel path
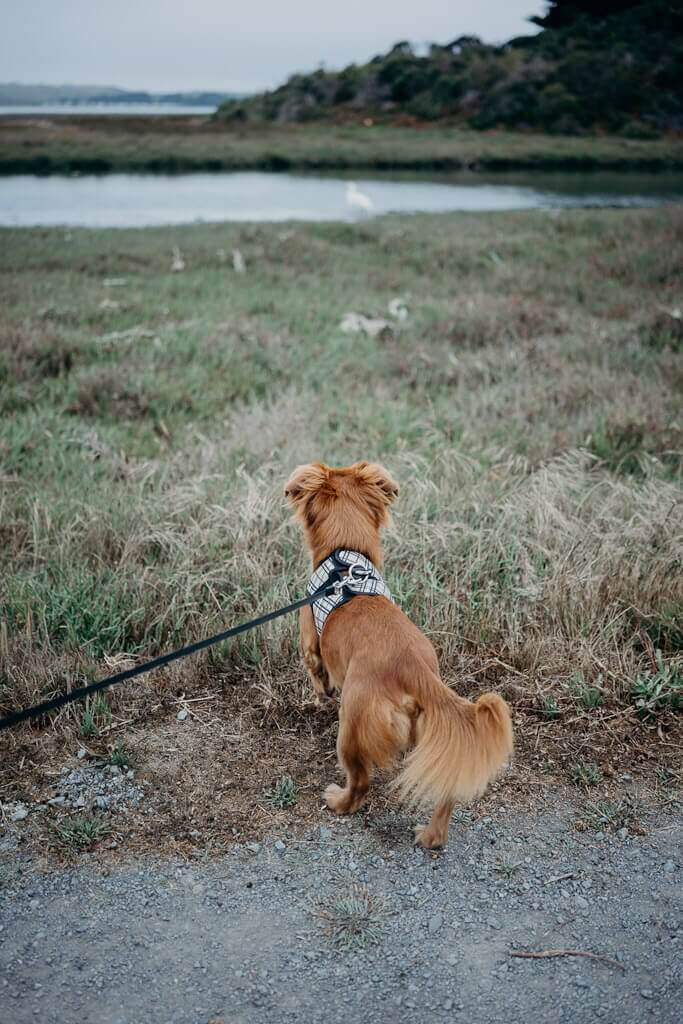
(255, 936)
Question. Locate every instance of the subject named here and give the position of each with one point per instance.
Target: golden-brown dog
(392, 697)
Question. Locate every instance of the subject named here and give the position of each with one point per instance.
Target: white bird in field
(178, 263)
(357, 200)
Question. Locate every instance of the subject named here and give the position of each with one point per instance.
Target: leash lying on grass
(356, 575)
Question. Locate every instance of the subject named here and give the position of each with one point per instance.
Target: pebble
(670, 867)
(19, 812)
(182, 715)
(81, 753)
(582, 902)
(280, 846)
(435, 923)
(646, 993)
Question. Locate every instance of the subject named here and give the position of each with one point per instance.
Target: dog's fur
(392, 697)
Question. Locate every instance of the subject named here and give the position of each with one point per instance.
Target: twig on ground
(546, 953)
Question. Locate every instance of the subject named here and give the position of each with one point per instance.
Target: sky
(231, 45)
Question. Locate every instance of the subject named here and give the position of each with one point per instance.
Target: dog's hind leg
(436, 832)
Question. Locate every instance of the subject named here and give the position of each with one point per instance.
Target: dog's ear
(377, 477)
(304, 481)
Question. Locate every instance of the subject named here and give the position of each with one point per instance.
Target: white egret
(357, 200)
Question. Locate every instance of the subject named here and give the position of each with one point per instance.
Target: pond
(143, 200)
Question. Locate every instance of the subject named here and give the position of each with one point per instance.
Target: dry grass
(530, 408)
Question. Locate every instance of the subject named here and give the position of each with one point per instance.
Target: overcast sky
(239, 45)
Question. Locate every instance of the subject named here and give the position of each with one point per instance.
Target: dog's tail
(460, 747)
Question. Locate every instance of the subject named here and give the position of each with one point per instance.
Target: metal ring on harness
(356, 574)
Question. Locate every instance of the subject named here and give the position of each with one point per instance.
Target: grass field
(99, 144)
(530, 407)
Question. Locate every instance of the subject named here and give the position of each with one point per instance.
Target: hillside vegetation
(612, 65)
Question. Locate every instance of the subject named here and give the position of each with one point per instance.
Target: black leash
(165, 659)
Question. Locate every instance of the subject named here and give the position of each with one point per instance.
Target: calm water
(102, 109)
(138, 200)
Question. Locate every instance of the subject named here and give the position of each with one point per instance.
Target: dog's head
(343, 507)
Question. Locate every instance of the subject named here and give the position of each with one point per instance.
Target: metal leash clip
(356, 574)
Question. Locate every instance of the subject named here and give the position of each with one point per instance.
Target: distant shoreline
(105, 109)
(167, 143)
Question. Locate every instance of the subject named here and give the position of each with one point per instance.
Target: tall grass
(535, 432)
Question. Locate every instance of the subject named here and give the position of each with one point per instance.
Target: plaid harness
(351, 573)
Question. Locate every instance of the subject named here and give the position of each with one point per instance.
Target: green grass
(97, 145)
(95, 716)
(80, 832)
(657, 691)
(121, 757)
(283, 794)
(611, 814)
(585, 774)
(145, 441)
(587, 697)
(353, 919)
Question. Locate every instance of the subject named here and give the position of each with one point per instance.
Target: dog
(393, 700)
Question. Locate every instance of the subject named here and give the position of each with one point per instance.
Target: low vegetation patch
(80, 832)
(283, 794)
(353, 919)
(658, 691)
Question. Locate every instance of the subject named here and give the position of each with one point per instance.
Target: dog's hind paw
(428, 839)
(336, 799)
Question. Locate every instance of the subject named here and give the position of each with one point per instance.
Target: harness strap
(351, 574)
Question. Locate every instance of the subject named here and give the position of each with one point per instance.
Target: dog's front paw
(317, 673)
(428, 838)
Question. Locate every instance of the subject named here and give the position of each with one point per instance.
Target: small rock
(670, 867)
(435, 923)
(582, 902)
(646, 993)
(280, 846)
(623, 833)
(182, 715)
(19, 812)
(81, 753)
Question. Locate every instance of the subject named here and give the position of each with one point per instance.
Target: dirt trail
(255, 935)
